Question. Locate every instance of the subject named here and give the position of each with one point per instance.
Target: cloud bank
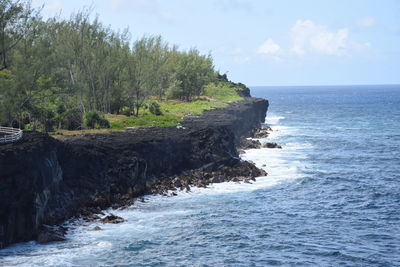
(307, 37)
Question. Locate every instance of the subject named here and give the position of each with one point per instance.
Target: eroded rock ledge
(44, 181)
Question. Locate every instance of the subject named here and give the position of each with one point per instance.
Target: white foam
(281, 164)
(278, 131)
(272, 120)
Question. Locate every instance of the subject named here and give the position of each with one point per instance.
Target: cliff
(46, 181)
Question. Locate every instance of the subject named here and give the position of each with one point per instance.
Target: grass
(146, 120)
(173, 112)
(222, 92)
(214, 96)
(196, 107)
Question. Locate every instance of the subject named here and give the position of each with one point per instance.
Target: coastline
(82, 175)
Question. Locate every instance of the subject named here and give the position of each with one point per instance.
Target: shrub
(94, 119)
(33, 126)
(125, 111)
(71, 119)
(155, 108)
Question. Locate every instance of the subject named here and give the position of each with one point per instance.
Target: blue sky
(281, 42)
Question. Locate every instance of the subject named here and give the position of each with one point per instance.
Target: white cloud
(366, 22)
(309, 37)
(269, 47)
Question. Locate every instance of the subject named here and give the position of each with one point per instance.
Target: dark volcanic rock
(30, 174)
(112, 219)
(46, 181)
(271, 145)
(249, 143)
(46, 235)
(241, 171)
(262, 132)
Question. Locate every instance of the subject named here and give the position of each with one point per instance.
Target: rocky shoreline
(47, 181)
(240, 171)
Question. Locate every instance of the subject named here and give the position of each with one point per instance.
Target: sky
(265, 42)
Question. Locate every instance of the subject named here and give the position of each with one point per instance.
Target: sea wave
(272, 120)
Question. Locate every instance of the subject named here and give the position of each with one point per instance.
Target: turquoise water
(331, 197)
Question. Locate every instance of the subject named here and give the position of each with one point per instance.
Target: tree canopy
(53, 72)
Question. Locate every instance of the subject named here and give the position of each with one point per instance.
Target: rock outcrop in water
(44, 181)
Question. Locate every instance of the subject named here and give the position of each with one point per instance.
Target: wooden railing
(8, 134)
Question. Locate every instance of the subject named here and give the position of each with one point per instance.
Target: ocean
(332, 197)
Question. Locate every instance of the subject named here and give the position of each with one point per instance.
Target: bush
(71, 119)
(125, 111)
(94, 119)
(33, 126)
(155, 109)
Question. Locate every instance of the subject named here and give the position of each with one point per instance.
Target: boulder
(47, 235)
(249, 143)
(262, 132)
(271, 145)
(112, 219)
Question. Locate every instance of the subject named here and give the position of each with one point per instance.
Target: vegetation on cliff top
(77, 73)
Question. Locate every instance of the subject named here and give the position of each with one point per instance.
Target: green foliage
(193, 108)
(52, 72)
(125, 111)
(71, 119)
(155, 108)
(146, 120)
(96, 120)
(175, 91)
(222, 77)
(223, 92)
(6, 97)
(33, 126)
(193, 72)
(16, 20)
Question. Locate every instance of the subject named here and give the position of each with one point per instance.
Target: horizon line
(326, 85)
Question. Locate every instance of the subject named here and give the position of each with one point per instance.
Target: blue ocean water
(331, 197)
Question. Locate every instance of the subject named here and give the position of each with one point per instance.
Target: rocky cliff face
(30, 174)
(45, 181)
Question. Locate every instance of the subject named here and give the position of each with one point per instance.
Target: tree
(54, 72)
(15, 20)
(139, 74)
(193, 71)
